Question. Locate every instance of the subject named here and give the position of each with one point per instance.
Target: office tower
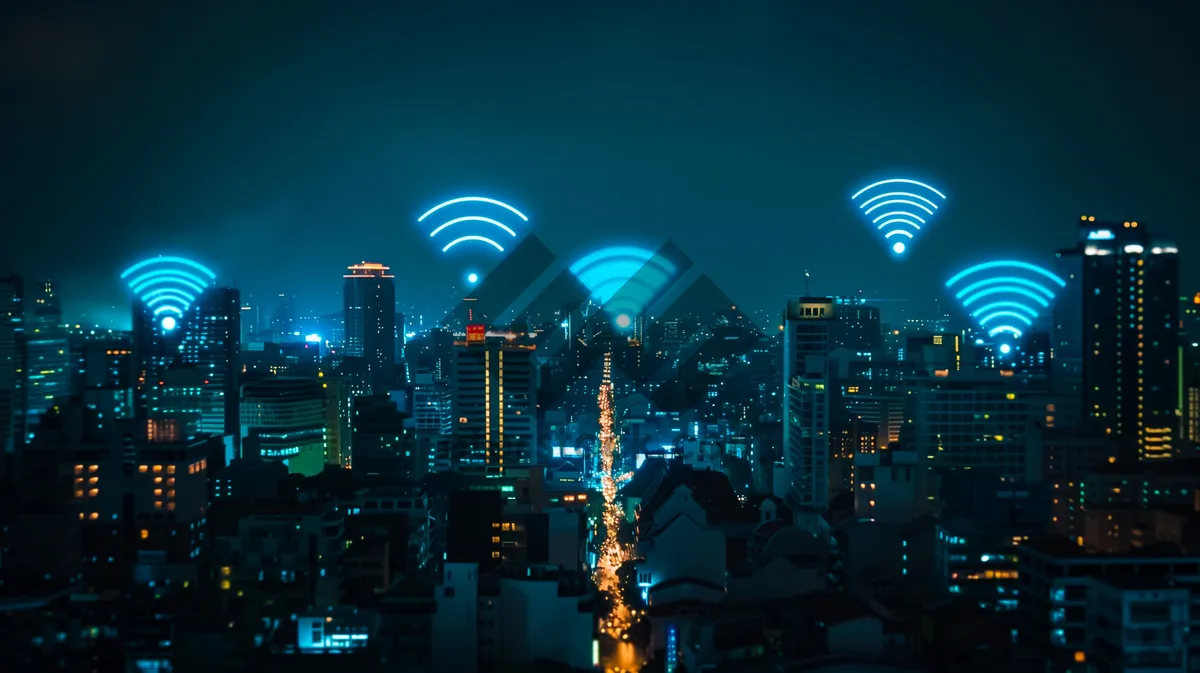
(431, 404)
(369, 301)
(978, 420)
(1116, 328)
(857, 326)
(382, 444)
(251, 321)
(807, 328)
(283, 419)
(338, 402)
(12, 363)
(154, 351)
(211, 334)
(105, 373)
(48, 372)
(493, 402)
(283, 318)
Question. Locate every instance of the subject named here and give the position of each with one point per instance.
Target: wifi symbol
(1005, 297)
(625, 280)
(898, 211)
(491, 224)
(168, 286)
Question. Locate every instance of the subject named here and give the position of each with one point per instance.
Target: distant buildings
(369, 305)
(48, 374)
(283, 419)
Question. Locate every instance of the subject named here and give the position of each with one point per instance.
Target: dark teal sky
(279, 142)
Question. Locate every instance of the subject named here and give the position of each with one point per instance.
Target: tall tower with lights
(12, 363)
(48, 374)
(1117, 328)
(808, 329)
(369, 304)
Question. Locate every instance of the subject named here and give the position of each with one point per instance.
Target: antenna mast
(807, 275)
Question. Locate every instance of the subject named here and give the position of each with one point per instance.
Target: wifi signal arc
(624, 279)
(469, 219)
(902, 212)
(1018, 299)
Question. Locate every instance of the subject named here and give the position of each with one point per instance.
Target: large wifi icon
(1005, 297)
(472, 228)
(898, 208)
(624, 280)
(168, 286)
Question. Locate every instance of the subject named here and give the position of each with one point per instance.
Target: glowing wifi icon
(1005, 297)
(473, 228)
(625, 280)
(168, 286)
(898, 208)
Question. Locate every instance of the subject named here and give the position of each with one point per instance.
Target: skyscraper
(47, 352)
(369, 301)
(494, 402)
(283, 419)
(808, 326)
(12, 363)
(211, 334)
(857, 326)
(1117, 327)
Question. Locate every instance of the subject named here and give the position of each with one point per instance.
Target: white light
(472, 278)
(624, 321)
(1005, 348)
(313, 338)
(1134, 249)
(898, 247)
(168, 323)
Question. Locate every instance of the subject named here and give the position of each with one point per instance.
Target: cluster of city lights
(612, 553)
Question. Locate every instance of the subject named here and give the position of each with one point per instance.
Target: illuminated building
(382, 444)
(48, 373)
(889, 486)
(485, 622)
(104, 371)
(933, 352)
(369, 304)
(338, 404)
(975, 420)
(494, 402)
(283, 419)
(857, 325)
(12, 363)
(807, 328)
(431, 405)
(287, 552)
(1117, 334)
(211, 330)
(1063, 596)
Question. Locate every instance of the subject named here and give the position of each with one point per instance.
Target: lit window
(145, 533)
(143, 468)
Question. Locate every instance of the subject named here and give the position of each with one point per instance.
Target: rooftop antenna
(807, 275)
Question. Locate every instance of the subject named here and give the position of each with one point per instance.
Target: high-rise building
(1116, 328)
(857, 326)
(283, 419)
(369, 301)
(493, 402)
(47, 352)
(807, 328)
(211, 334)
(12, 363)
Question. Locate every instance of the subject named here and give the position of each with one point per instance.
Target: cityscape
(471, 434)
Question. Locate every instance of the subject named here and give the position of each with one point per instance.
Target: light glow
(898, 247)
(481, 239)
(472, 278)
(473, 218)
(1005, 349)
(898, 232)
(168, 323)
(624, 279)
(476, 199)
(623, 321)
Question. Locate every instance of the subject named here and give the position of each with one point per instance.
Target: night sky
(283, 141)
